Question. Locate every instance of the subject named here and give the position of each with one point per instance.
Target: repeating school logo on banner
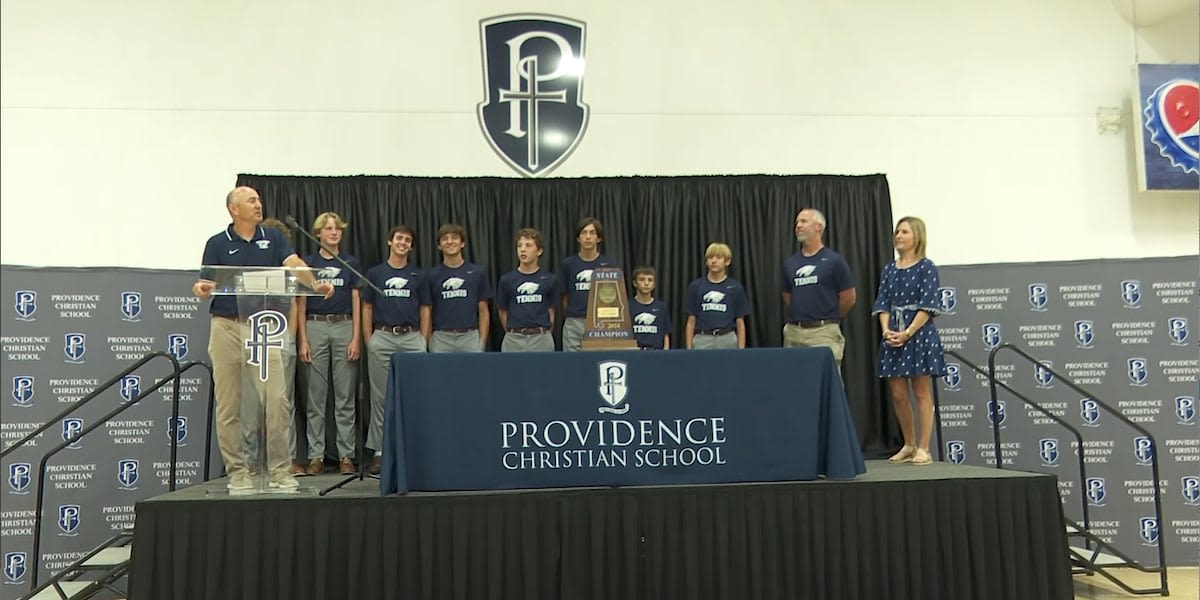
(533, 113)
(956, 451)
(1185, 409)
(69, 331)
(952, 380)
(947, 300)
(178, 430)
(1089, 411)
(1048, 451)
(127, 473)
(14, 567)
(1038, 297)
(177, 345)
(75, 346)
(25, 305)
(1123, 373)
(68, 520)
(19, 478)
(71, 428)
(1177, 329)
(130, 386)
(22, 391)
(1131, 293)
(131, 307)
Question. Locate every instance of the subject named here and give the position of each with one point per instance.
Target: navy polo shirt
(528, 298)
(575, 280)
(329, 270)
(456, 293)
(405, 291)
(716, 305)
(268, 248)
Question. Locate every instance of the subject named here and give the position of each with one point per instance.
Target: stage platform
(899, 531)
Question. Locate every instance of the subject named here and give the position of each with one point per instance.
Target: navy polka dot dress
(902, 292)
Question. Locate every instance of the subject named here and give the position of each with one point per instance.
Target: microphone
(363, 278)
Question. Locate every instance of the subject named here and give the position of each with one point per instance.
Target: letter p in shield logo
(613, 387)
(956, 452)
(1048, 450)
(131, 306)
(1038, 297)
(1143, 450)
(127, 473)
(1148, 530)
(533, 113)
(177, 345)
(14, 566)
(177, 430)
(68, 519)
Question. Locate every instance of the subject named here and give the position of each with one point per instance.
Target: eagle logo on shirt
(806, 270)
(584, 275)
(453, 283)
(263, 244)
(328, 272)
(529, 287)
(714, 296)
(395, 282)
(644, 319)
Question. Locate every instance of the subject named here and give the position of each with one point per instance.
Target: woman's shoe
(904, 455)
(921, 457)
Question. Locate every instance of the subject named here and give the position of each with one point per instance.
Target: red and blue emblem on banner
(1169, 97)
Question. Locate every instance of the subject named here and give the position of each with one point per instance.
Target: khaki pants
(828, 336)
(227, 350)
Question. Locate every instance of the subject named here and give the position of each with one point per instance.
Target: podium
(265, 413)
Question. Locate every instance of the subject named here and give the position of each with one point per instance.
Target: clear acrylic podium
(266, 318)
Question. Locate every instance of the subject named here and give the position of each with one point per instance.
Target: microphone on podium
(363, 278)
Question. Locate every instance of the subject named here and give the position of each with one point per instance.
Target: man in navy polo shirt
(525, 298)
(460, 292)
(398, 321)
(329, 342)
(818, 289)
(245, 243)
(575, 280)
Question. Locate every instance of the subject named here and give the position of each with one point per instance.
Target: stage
(899, 531)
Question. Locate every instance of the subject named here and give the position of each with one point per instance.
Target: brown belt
(330, 318)
(811, 324)
(458, 330)
(715, 331)
(529, 330)
(396, 329)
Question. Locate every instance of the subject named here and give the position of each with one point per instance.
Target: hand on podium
(203, 288)
(325, 288)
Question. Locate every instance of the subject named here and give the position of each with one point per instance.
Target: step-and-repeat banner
(1123, 330)
(65, 332)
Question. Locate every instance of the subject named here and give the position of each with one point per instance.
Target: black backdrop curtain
(666, 222)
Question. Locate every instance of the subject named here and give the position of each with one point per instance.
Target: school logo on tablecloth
(613, 388)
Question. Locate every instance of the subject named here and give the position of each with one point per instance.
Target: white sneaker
(284, 481)
(239, 482)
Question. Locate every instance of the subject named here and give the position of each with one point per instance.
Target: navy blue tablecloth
(509, 421)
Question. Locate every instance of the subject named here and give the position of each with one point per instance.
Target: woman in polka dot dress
(911, 351)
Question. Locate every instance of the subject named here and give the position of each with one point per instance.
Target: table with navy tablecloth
(490, 421)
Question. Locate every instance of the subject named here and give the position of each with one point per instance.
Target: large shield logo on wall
(533, 113)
